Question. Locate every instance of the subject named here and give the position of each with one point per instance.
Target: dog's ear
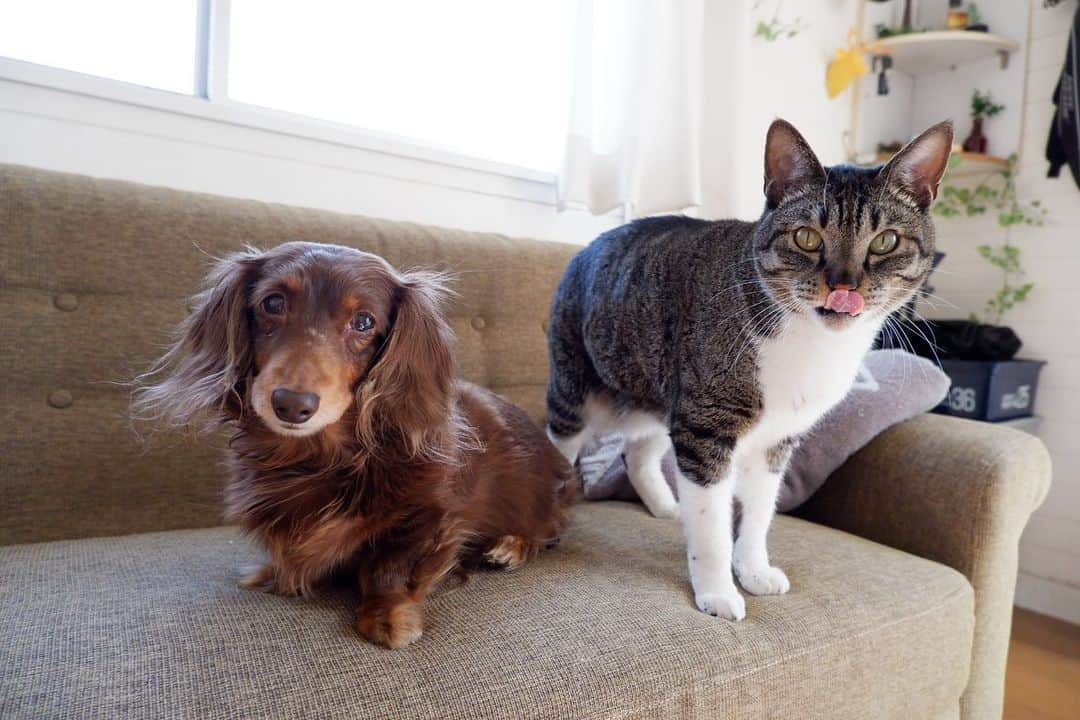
(200, 380)
(408, 392)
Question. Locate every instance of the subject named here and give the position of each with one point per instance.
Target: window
(483, 78)
(137, 41)
(489, 78)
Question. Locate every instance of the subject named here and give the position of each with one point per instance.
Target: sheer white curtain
(635, 121)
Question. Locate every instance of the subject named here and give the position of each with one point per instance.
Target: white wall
(915, 103)
(74, 132)
(1047, 322)
(785, 79)
(947, 94)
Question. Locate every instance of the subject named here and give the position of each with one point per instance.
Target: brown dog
(355, 450)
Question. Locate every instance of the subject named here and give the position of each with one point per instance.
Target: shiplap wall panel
(1048, 323)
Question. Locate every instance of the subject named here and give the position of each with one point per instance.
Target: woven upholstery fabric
(603, 626)
(962, 499)
(95, 273)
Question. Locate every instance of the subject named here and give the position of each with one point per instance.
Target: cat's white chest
(802, 373)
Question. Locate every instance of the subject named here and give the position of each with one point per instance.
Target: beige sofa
(118, 584)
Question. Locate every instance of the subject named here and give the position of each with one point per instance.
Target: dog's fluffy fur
(401, 476)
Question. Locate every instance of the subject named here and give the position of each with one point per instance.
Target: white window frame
(210, 101)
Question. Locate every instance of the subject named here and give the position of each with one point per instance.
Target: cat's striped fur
(715, 334)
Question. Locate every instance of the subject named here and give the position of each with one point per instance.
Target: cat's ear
(789, 162)
(917, 169)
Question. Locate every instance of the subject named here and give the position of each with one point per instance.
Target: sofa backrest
(95, 273)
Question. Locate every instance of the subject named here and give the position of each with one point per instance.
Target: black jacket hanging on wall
(1064, 143)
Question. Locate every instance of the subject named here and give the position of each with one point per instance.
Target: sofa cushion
(602, 627)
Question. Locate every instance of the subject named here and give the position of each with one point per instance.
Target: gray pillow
(892, 386)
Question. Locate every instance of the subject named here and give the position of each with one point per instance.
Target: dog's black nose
(294, 407)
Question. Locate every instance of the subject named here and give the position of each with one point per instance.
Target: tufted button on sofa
(60, 399)
(66, 302)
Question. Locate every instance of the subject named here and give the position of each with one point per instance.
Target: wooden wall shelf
(969, 164)
(976, 164)
(927, 52)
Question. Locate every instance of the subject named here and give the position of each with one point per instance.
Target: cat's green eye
(884, 243)
(808, 239)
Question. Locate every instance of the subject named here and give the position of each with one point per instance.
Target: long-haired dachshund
(355, 451)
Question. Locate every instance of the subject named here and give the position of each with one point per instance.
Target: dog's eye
(362, 322)
(274, 304)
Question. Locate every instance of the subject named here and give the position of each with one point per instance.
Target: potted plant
(884, 31)
(982, 106)
(904, 28)
(975, 23)
(994, 389)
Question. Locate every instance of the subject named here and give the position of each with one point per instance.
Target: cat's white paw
(763, 580)
(728, 604)
(665, 510)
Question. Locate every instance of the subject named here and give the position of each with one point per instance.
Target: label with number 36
(962, 399)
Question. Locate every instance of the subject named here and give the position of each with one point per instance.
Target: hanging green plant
(774, 28)
(996, 191)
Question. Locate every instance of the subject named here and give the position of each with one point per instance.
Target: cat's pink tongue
(844, 301)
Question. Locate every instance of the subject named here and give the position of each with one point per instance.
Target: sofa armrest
(960, 493)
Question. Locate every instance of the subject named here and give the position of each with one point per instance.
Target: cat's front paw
(727, 604)
(763, 580)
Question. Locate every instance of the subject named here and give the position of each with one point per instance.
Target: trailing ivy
(774, 28)
(997, 192)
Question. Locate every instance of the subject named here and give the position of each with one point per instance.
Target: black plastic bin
(990, 390)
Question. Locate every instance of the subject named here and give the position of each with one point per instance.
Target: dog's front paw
(509, 552)
(264, 579)
(392, 624)
(727, 604)
(763, 580)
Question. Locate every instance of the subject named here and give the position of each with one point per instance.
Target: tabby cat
(731, 339)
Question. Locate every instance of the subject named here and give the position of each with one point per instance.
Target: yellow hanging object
(848, 65)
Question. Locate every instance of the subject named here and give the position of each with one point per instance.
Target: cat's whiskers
(747, 333)
(763, 308)
(943, 271)
(911, 350)
(825, 193)
(736, 286)
(768, 301)
(929, 297)
(783, 282)
(778, 318)
(896, 340)
(901, 322)
(764, 322)
(901, 343)
(929, 341)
